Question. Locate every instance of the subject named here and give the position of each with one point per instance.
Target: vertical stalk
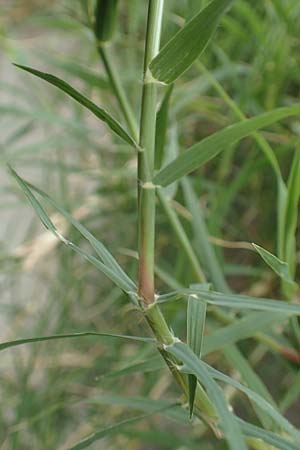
(146, 191)
(146, 210)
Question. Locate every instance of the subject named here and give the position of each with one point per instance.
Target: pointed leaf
(236, 359)
(240, 329)
(87, 441)
(266, 436)
(17, 342)
(233, 301)
(147, 405)
(227, 420)
(150, 365)
(97, 245)
(196, 315)
(115, 275)
(209, 147)
(103, 115)
(258, 399)
(182, 50)
(279, 267)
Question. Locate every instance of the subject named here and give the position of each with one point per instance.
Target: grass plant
(214, 322)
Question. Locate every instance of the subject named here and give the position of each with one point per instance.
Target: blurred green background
(54, 394)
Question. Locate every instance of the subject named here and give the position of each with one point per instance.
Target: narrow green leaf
(196, 315)
(233, 301)
(172, 410)
(112, 272)
(209, 147)
(86, 442)
(266, 436)
(150, 365)
(268, 407)
(182, 50)
(17, 342)
(228, 422)
(103, 115)
(161, 127)
(240, 329)
(237, 360)
(98, 246)
(279, 267)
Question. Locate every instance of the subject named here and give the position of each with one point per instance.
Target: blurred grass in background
(53, 394)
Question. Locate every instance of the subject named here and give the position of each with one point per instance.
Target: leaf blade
(240, 329)
(182, 50)
(100, 113)
(106, 257)
(209, 147)
(234, 301)
(266, 436)
(112, 273)
(281, 268)
(21, 341)
(230, 428)
(196, 316)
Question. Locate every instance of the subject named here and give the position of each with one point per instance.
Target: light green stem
(146, 192)
(146, 211)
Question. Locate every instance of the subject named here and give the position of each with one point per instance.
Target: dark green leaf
(103, 115)
(228, 422)
(243, 328)
(267, 436)
(279, 267)
(196, 315)
(182, 50)
(234, 301)
(209, 147)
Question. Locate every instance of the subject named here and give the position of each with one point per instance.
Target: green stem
(146, 194)
(119, 92)
(146, 211)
